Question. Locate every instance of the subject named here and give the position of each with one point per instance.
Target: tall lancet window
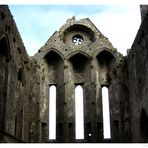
(79, 113)
(106, 113)
(52, 112)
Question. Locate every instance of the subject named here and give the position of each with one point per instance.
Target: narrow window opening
(19, 50)
(4, 50)
(60, 131)
(3, 47)
(21, 74)
(2, 15)
(71, 132)
(79, 113)
(143, 124)
(44, 132)
(52, 112)
(15, 124)
(116, 129)
(106, 113)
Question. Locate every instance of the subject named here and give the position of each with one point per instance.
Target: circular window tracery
(77, 39)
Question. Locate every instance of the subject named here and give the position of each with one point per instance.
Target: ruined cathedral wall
(15, 82)
(34, 102)
(93, 65)
(138, 83)
(125, 133)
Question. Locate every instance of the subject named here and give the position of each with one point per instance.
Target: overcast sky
(36, 23)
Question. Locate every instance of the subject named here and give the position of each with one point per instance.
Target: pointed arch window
(52, 112)
(4, 48)
(79, 112)
(106, 113)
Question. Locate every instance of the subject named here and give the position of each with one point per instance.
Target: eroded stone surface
(77, 54)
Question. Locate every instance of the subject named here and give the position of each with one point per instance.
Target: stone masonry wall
(138, 84)
(18, 113)
(91, 63)
(94, 64)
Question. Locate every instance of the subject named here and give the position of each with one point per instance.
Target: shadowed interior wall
(77, 54)
(138, 80)
(15, 104)
(4, 59)
(106, 75)
(54, 76)
(78, 74)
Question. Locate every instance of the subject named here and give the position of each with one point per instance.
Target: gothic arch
(45, 53)
(55, 76)
(106, 75)
(76, 53)
(79, 62)
(79, 73)
(54, 51)
(55, 66)
(97, 52)
(5, 47)
(106, 65)
(79, 28)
